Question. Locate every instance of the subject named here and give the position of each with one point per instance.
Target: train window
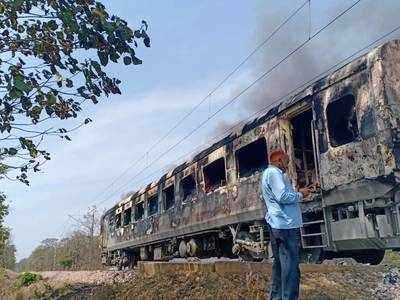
(139, 211)
(342, 121)
(188, 185)
(252, 158)
(214, 175)
(153, 205)
(127, 216)
(169, 197)
(118, 220)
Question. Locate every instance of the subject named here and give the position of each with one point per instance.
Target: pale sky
(194, 45)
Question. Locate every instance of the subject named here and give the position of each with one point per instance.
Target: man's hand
(305, 191)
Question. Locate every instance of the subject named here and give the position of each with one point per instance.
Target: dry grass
(351, 282)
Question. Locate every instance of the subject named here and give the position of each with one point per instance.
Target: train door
(303, 149)
(299, 142)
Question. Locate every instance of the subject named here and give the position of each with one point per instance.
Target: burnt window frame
(204, 177)
(164, 200)
(154, 196)
(123, 218)
(241, 148)
(328, 131)
(196, 186)
(118, 224)
(134, 211)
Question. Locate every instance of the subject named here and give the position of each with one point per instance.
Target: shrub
(66, 263)
(28, 278)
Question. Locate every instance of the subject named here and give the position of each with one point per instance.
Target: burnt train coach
(342, 131)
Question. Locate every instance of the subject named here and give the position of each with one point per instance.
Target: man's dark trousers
(285, 269)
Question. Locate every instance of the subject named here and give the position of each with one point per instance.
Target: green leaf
(127, 60)
(96, 66)
(103, 56)
(18, 2)
(20, 84)
(49, 111)
(52, 25)
(15, 93)
(114, 56)
(51, 99)
(36, 111)
(26, 103)
(136, 61)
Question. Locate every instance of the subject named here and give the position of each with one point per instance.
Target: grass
(392, 258)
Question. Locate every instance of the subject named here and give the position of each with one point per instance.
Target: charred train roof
(339, 74)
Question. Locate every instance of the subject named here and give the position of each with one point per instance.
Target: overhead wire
(252, 116)
(232, 100)
(216, 88)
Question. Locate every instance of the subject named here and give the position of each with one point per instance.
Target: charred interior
(214, 175)
(303, 149)
(118, 220)
(252, 158)
(139, 211)
(169, 196)
(342, 121)
(153, 205)
(127, 216)
(188, 186)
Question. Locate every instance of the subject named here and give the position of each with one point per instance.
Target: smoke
(354, 30)
(222, 127)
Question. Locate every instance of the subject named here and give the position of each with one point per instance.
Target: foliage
(80, 250)
(7, 255)
(76, 252)
(7, 249)
(53, 56)
(66, 263)
(28, 278)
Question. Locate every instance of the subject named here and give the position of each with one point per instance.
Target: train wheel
(193, 248)
(244, 255)
(183, 249)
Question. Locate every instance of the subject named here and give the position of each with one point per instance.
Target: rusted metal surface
(367, 167)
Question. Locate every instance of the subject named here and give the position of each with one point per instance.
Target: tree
(53, 58)
(7, 248)
(7, 254)
(4, 231)
(80, 250)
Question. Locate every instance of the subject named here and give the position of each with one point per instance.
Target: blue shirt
(282, 201)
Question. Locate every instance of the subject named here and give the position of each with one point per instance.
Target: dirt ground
(346, 281)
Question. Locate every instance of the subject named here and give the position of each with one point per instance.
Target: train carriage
(342, 131)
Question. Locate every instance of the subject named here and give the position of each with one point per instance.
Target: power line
(230, 102)
(218, 86)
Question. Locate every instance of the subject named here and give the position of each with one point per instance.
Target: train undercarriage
(366, 227)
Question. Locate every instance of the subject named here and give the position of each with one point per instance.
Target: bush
(65, 263)
(28, 278)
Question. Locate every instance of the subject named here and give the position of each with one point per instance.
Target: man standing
(284, 220)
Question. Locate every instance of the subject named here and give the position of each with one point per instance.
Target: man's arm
(275, 180)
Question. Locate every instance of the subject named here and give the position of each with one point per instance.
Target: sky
(194, 45)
